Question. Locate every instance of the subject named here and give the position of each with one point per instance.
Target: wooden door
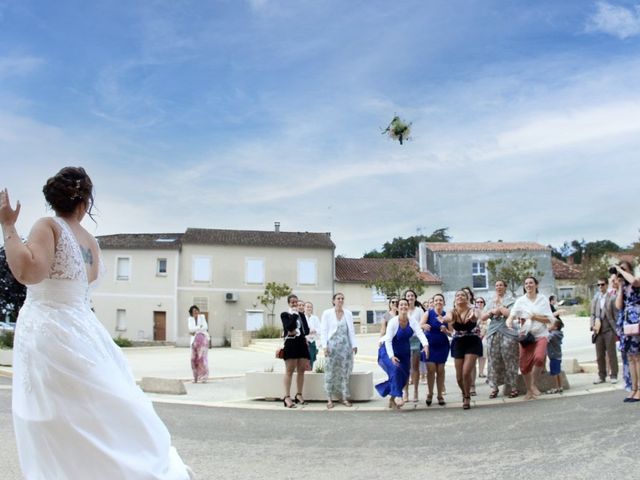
(159, 326)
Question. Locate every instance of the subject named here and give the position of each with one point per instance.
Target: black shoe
(429, 400)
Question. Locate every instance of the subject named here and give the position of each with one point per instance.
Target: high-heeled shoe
(441, 401)
(300, 400)
(429, 400)
(631, 398)
(466, 402)
(289, 404)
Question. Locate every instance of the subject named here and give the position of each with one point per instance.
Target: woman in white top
(198, 328)
(415, 314)
(338, 339)
(314, 332)
(394, 355)
(533, 312)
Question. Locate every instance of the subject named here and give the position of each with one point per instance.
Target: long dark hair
(417, 302)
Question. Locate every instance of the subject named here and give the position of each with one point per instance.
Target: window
(307, 272)
(480, 275)
(254, 271)
(201, 269)
(121, 320)
(123, 268)
(161, 266)
(566, 292)
(377, 296)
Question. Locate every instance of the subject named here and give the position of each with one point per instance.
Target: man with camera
(603, 326)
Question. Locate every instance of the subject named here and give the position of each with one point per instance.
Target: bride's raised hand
(8, 216)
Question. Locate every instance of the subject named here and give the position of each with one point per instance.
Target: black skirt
(466, 345)
(296, 347)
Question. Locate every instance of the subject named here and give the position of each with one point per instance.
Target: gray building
(465, 264)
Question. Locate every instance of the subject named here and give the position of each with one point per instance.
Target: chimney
(277, 226)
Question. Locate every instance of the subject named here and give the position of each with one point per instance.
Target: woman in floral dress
(338, 340)
(628, 304)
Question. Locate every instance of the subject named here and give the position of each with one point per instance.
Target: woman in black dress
(296, 351)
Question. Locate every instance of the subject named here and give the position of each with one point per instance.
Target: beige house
(137, 297)
(220, 271)
(366, 303)
(568, 284)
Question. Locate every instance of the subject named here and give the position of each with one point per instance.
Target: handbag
(631, 329)
(527, 340)
(280, 353)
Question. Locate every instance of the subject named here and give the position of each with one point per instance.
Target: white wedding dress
(77, 411)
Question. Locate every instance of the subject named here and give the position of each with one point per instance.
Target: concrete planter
(270, 385)
(6, 357)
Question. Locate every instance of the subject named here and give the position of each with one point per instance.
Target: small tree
(593, 268)
(513, 272)
(12, 292)
(395, 278)
(272, 293)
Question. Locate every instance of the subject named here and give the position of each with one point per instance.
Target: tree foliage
(394, 278)
(581, 250)
(513, 272)
(12, 292)
(407, 247)
(273, 292)
(593, 268)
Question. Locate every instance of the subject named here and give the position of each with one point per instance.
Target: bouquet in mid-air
(398, 129)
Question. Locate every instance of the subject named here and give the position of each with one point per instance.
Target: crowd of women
(505, 335)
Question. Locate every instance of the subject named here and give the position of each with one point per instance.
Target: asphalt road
(591, 436)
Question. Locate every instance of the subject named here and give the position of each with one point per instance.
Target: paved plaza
(223, 434)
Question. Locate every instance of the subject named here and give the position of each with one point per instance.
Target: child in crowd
(554, 352)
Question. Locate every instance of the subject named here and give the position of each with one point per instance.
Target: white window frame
(480, 271)
(563, 289)
(166, 266)
(194, 261)
(247, 270)
(377, 296)
(119, 278)
(121, 320)
(307, 261)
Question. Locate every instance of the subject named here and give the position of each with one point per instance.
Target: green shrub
(123, 342)
(319, 367)
(585, 309)
(269, 331)
(6, 339)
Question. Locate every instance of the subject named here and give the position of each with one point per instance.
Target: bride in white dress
(77, 411)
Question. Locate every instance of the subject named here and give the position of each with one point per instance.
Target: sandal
(347, 403)
(329, 405)
(493, 394)
(466, 402)
(300, 400)
(441, 401)
(552, 391)
(290, 403)
(429, 400)
(472, 392)
(514, 393)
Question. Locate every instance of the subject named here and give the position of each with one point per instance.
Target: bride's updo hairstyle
(67, 189)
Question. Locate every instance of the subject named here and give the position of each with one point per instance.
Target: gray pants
(606, 347)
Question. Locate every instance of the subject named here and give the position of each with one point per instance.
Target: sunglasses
(394, 302)
(601, 284)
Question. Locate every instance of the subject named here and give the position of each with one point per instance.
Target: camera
(613, 271)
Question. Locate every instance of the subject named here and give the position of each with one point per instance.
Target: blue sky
(236, 114)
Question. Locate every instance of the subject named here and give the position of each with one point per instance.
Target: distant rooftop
(141, 241)
(565, 271)
(485, 246)
(257, 238)
(369, 269)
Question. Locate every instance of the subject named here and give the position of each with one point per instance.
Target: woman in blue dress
(394, 355)
(437, 334)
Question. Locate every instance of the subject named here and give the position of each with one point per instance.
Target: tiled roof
(140, 241)
(485, 246)
(565, 271)
(257, 238)
(623, 256)
(369, 269)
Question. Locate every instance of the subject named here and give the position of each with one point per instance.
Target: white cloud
(615, 20)
(18, 65)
